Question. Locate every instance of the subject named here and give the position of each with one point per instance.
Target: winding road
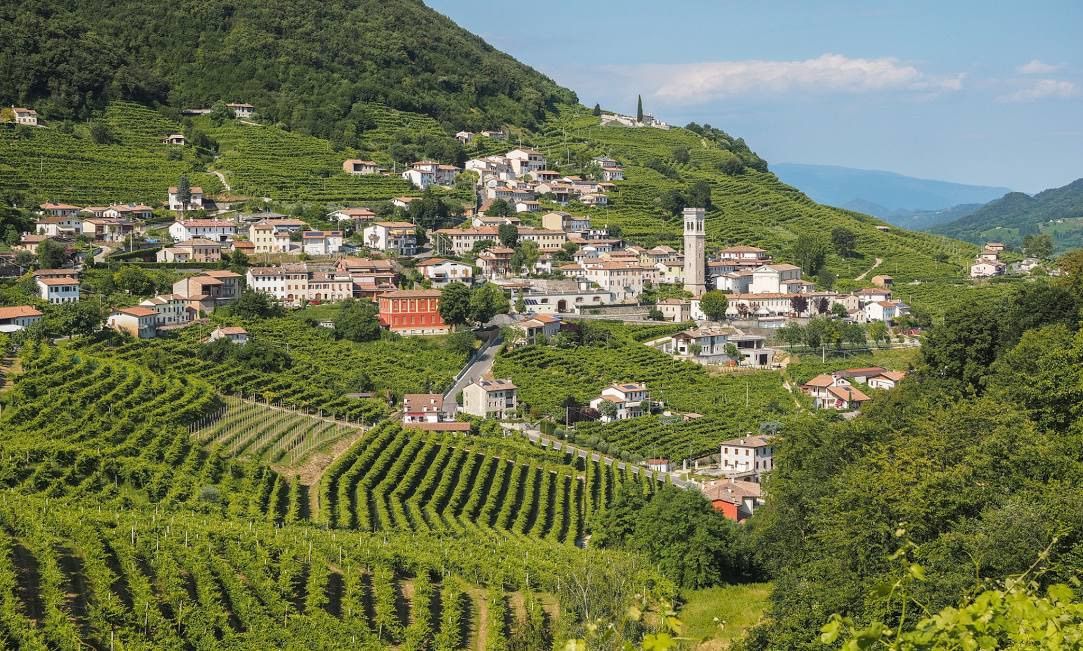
(869, 270)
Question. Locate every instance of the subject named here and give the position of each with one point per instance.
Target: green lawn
(715, 617)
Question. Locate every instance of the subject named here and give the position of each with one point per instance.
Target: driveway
(481, 365)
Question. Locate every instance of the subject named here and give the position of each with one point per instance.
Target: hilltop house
(426, 173)
(356, 216)
(886, 311)
(195, 201)
(422, 408)
(986, 269)
(749, 456)
(538, 325)
(399, 238)
(233, 334)
(525, 161)
(241, 110)
(58, 289)
(59, 227)
(490, 399)
(708, 345)
(360, 167)
(138, 321)
(175, 139)
(59, 210)
(628, 399)
(25, 116)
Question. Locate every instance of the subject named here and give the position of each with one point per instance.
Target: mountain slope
(1057, 211)
(303, 64)
(885, 194)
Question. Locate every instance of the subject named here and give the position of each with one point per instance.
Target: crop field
(323, 369)
(730, 403)
(50, 165)
(407, 479)
(262, 160)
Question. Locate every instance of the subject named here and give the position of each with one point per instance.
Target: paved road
(481, 365)
(558, 445)
(102, 254)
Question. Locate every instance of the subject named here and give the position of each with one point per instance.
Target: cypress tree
(639, 108)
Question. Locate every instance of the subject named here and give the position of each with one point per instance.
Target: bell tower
(694, 251)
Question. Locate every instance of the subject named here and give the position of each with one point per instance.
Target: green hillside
(1057, 212)
(311, 66)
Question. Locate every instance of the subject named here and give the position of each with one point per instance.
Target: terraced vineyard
(51, 165)
(262, 160)
(269, 434)
(323, 369)
(732, 403)
(406, 479)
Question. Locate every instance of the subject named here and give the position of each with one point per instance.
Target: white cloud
(1036, 67)
(828, 73)
(1042, 89)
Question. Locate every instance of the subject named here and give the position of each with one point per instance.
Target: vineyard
(141, 512)
(262, 160)
(322, 372)
(731, 403)
(406, 479)
(48, 164)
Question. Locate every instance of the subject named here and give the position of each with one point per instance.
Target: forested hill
(1057, 211)
(307, 65)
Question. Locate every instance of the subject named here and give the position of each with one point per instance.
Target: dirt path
(9, 368)
(481, 606)
(222, 178)
(311, 469)
(869, 270)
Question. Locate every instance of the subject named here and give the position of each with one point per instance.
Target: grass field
(714, 617)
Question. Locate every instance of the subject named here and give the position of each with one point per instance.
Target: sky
(989, 93)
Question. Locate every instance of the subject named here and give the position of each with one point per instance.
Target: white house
(59, 209)
(623, 280)
(356, 216)
(441, 271)
(19, 316)
(771, 278)
(321, 242)
(139, 322)
(394, 237)
(986, 269)
(538, 325)
(241, 110)
(171, 309)
(886, 380)
(886, 311)
(233, 334)
(743, 252)
(628, 398)
(58, 289)
(195, 202)
(293, 284)
(525, 161)
(26, 116)
(490, 399)
(426, 173)
(215, 230)
(422, 408)
(747, 456)
(59, 227)
(834, 392)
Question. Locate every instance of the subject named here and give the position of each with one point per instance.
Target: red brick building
(412, 312)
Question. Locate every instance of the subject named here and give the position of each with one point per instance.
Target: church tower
(694, 251)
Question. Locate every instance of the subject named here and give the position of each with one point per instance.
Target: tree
(823, 306)
(51, 254)
(486, 302)
(184, 192)
(844, 241)
(699, 195)
(733, 352)
(597, 112)
(256, 305)
(357, 321)
(673, 201)
(100, 133)
(455, 303)
(963, 348)
(1038, 246)
(461, 342)
(799, 304)
(791, 333)
(508, 234)
(500, 208)
(654, 314)
(220, 113)
(639, 108)
(71, 319)
(714, 304)
(607, 409)
(878, 332)
(133, 280)
(810, 253)
(681, 154)
(854, 334)
(839, 310)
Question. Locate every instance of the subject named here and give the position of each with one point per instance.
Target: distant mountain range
(1057, 211)
(902, 200)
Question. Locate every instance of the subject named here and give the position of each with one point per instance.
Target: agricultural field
(322, 370)
(730, 403)
(171, 531)
(407, 479)
(49, 165)
(265, 161)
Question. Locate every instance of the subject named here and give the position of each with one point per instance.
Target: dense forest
(308, 65)
(970, 472)
(1016, 215)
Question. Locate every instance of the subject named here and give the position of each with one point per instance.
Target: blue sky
(974, 92)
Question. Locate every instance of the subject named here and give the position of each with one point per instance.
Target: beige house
(360, 167)
(490, 399)
(139, 322)
(233, 334)
(197, 250)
